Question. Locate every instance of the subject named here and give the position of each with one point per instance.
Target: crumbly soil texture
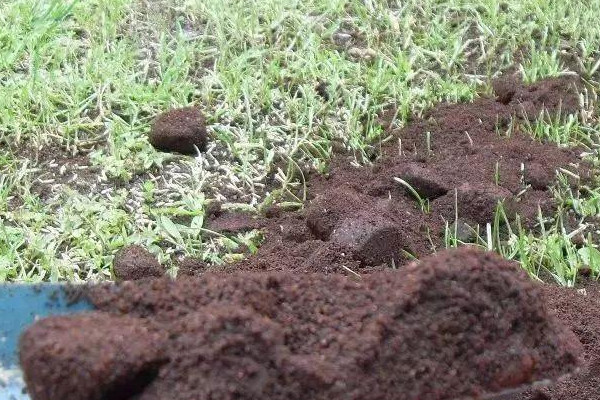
(317, 313)
(461, 324)
(445, 173)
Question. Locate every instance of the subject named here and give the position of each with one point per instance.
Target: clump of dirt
(578, 309)
(191, 266)
(93, 356)
(458, 160)
(135, 262)
(232, 222)
(462, 323)
(180, 130)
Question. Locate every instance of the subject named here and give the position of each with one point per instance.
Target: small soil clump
(232, 222)
(135, 262)
(180, 130)
(391, 335)
(190, 267)
(92, 356)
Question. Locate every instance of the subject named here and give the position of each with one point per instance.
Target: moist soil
(460, 324)
(317, 312)
(462, 160)
(579, 310)
(180, 130)
(135, 262)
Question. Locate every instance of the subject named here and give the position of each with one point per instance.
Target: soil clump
(91, 356)
(135, 262)
(180, 130)
(282, 335)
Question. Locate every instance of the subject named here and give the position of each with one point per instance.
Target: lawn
(282, 83)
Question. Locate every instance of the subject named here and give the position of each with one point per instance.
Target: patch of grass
(281, 82)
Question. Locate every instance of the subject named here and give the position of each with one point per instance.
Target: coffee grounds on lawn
(459, 160)
(450, 327)
(459, 324)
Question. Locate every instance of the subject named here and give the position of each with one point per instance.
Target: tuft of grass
(423, 202)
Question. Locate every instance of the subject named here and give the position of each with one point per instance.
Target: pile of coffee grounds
(580, 311)
(459, 324)
(461, 159)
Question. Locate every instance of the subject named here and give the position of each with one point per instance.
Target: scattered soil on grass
(458, 158)
(460, 324)
(180, 130)
(135, 262)
(55, 167)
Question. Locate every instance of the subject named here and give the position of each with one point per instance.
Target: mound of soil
(460, 324)
(461, 159)
(134, 262)
(179, 130)
(95, 356)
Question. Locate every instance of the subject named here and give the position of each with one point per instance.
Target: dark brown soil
(579, 310)
(93, 356)
(460, 324)
(232, 222)
(191, 266)
(180, 130)
(134, 262)
(361, 217)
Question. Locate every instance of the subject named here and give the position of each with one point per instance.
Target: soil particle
(135, 262)
(539, 176)
(505, 88)
(460, 324)
(93, 356)
(329, 207)
(373, 241)
(179, 130)
(374, 230)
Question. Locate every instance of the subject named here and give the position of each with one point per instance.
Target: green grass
(87, 77)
